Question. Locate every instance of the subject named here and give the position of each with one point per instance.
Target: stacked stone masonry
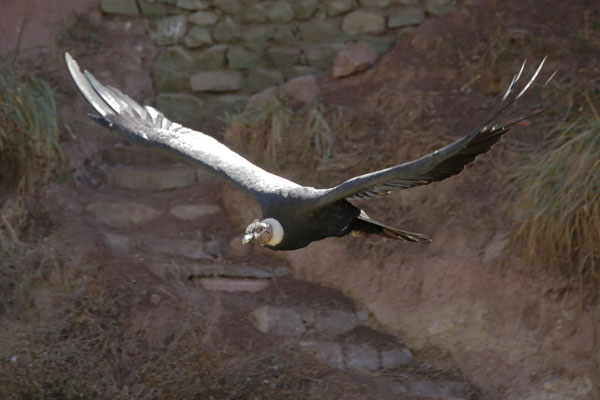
(216, 53)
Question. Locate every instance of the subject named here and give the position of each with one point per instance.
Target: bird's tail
(364, 226)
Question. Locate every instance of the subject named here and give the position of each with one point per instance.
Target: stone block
(241, 58)
(256, 12)
(361, 356)
(226, 31)
(277, 321)
(296, 71)
(353, 58)
(405, 16)
(304, 9)
(241, 271)
(150, 9)
(319, 31)
(283, 56)
(197, 37)
(168, 31)
(394, 358)
(192, 249)
(231, 7)
(120, 7)
(261, 78)
(375, 3)
(203, 18)
(192, 5)
(338, 7)
(180, 106)
(216, 81)
(283, 35)
(171, 68)
(209, 59)
(280, 12)
(190, 212)
(335, 321)
(439, 7)
(322, 55)
(233, 285)
(135, 178)
(121, 214)
(363, 23)
(257, 38)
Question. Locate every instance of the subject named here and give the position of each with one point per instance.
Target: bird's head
(267, 232)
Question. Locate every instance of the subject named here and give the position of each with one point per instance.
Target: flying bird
(295, 215)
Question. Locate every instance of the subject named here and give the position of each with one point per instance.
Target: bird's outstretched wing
(442, 163)
(148, 126)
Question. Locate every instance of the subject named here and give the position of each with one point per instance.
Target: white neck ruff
(277, 231)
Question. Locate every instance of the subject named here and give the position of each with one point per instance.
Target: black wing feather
(440, 164)
(148, 126)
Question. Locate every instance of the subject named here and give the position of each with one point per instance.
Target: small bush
(558, 207)
(29, 147)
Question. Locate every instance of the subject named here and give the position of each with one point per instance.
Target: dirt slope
(466, 305)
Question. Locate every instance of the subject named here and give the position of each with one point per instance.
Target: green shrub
(29, 147)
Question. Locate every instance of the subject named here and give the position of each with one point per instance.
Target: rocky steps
(165, 215)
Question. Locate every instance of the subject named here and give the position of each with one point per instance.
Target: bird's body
(293, 215)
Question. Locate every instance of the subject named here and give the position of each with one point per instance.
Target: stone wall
(216, 53)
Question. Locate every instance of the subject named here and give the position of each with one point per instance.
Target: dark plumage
(295, 215)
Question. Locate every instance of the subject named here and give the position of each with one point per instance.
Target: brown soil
(498, 324)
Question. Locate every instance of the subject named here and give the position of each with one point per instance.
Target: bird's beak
(247, 238)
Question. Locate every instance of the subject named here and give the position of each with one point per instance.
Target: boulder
(301, 89)
(353, 58)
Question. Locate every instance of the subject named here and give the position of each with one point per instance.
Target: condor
(295, 215)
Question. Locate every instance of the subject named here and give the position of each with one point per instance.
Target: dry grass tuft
(558, 207)
(90, 348)
(29, 147)
(22, 263)
(280, 135)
